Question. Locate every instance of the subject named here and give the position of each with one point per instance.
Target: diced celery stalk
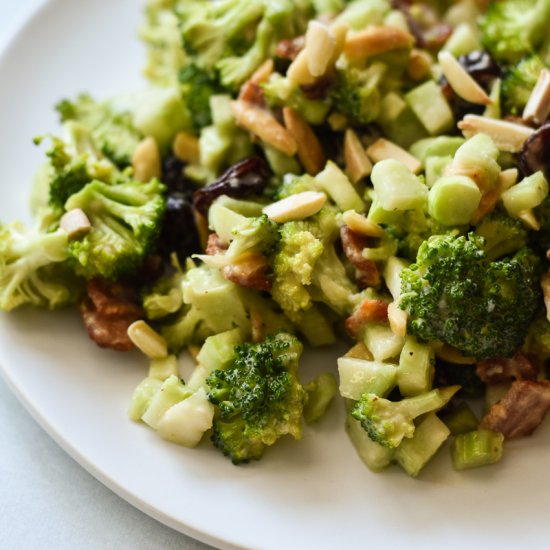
(141, 398)
(172, 391)
(375, 456)
(416, 368)
(526, 194)
(217, 352)
(493, 110)
(396, 18)
(244, 208)
(414, 453)
(223, 221)
(280, 163)
(163, 368)
(477, 448)
(435, 166)
(396, 187)
(453, 200)
(222, 114)
(359, 15)
(479, 154)
(213, 147)
(391, 107)
(382, 342)
(386, 248)
(464, 40)
(359, 376)
(461, 419)
(338, 187)
(320, 393)
(430, 106)
(440, 146)
(380, 215)
(315, 327)
(185, 422)
(392, 275)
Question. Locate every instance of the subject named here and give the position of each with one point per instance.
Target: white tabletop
(47, 501)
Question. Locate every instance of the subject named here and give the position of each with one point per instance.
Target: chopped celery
(477, 448)
(416, 368)
(453, 200)
(359, 376)
(320, 393)
(461, 419)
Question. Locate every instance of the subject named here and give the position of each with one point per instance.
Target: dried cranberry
(535, 153)
(248, 177)
(173, 176)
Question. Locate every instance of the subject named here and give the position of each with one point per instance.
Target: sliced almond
(538, 105)
(75, 223)
(263, 124)
(361, 225)
(419, 65)
(298, 71)
(508, 136)
(460, 81)
(490, 198)
(186, 147)
(320, 45)
(383, 149)
(340, 32)
(146, 160)
(507, 178)
(397, 319)
(375, 41)
(310, 152)
(296, 207)
(529, 220)
(150, 342)
(357, 162)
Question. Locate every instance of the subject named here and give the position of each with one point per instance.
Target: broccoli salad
(299, 173)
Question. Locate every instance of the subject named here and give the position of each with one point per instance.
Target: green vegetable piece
(453, 200)
(142, 396)
(223, 221)
(477, 448)
(396, 187)
(430, 106)
(163, 368)
(527, 194)
(382, 342)
(435, 168)
(320, 394)
(463, 40)
(315, 326)
(414, 453)
(360, 376)
(502, 234)
(518, 82)
(338, 187)
(441, 146)
(461, 419)
(416, 368)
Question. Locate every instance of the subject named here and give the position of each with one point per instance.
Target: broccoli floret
(33, 269)
(197, 87)
(165, 296)
(125, 222)
(455, 294)
(502, 235)
(537, 342)
(258, 398)
(356, 93)
(112, 132)
(254, 236)
(512, 28)
(518, 83)
(388, 422)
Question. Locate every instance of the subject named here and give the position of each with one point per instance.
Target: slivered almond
(538, 105)
(357, 162)
(340, 32)
(263, 124)
(419, 65)
(75, 223)
(490, 198)
(460, 81)
(361, 225)
(529, 219)
(376, 40)
(397, 319)
(296, 207)
(298, 71)
(310, 153)
(146, 160)
(507, 178)
(320, 45)
(263, 72)
(383, 149)
(150, 342)
(186, 147)
(508, 136)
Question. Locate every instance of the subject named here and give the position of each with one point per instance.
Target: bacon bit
(290, 47)
(310, 152)
(520, 411)
(319, 88)
(503, 369)
(252, 90)
(367, 273)
(250, 272)
(545, 285)
(369, 311)
(107, 312)
(214, 245)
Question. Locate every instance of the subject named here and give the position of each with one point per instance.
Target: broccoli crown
(537, 342)
(388, 422)
(32, 269)
(258, 398)
(518, 83)
(197, 86)
(254, 235)
(125, 222)
(113, 133)
(512, 28)
(356, 93)
(455, 294)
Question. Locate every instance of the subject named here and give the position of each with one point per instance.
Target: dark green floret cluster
(455, 294)
(258, 398)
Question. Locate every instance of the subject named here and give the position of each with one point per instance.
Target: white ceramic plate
(311, 494)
